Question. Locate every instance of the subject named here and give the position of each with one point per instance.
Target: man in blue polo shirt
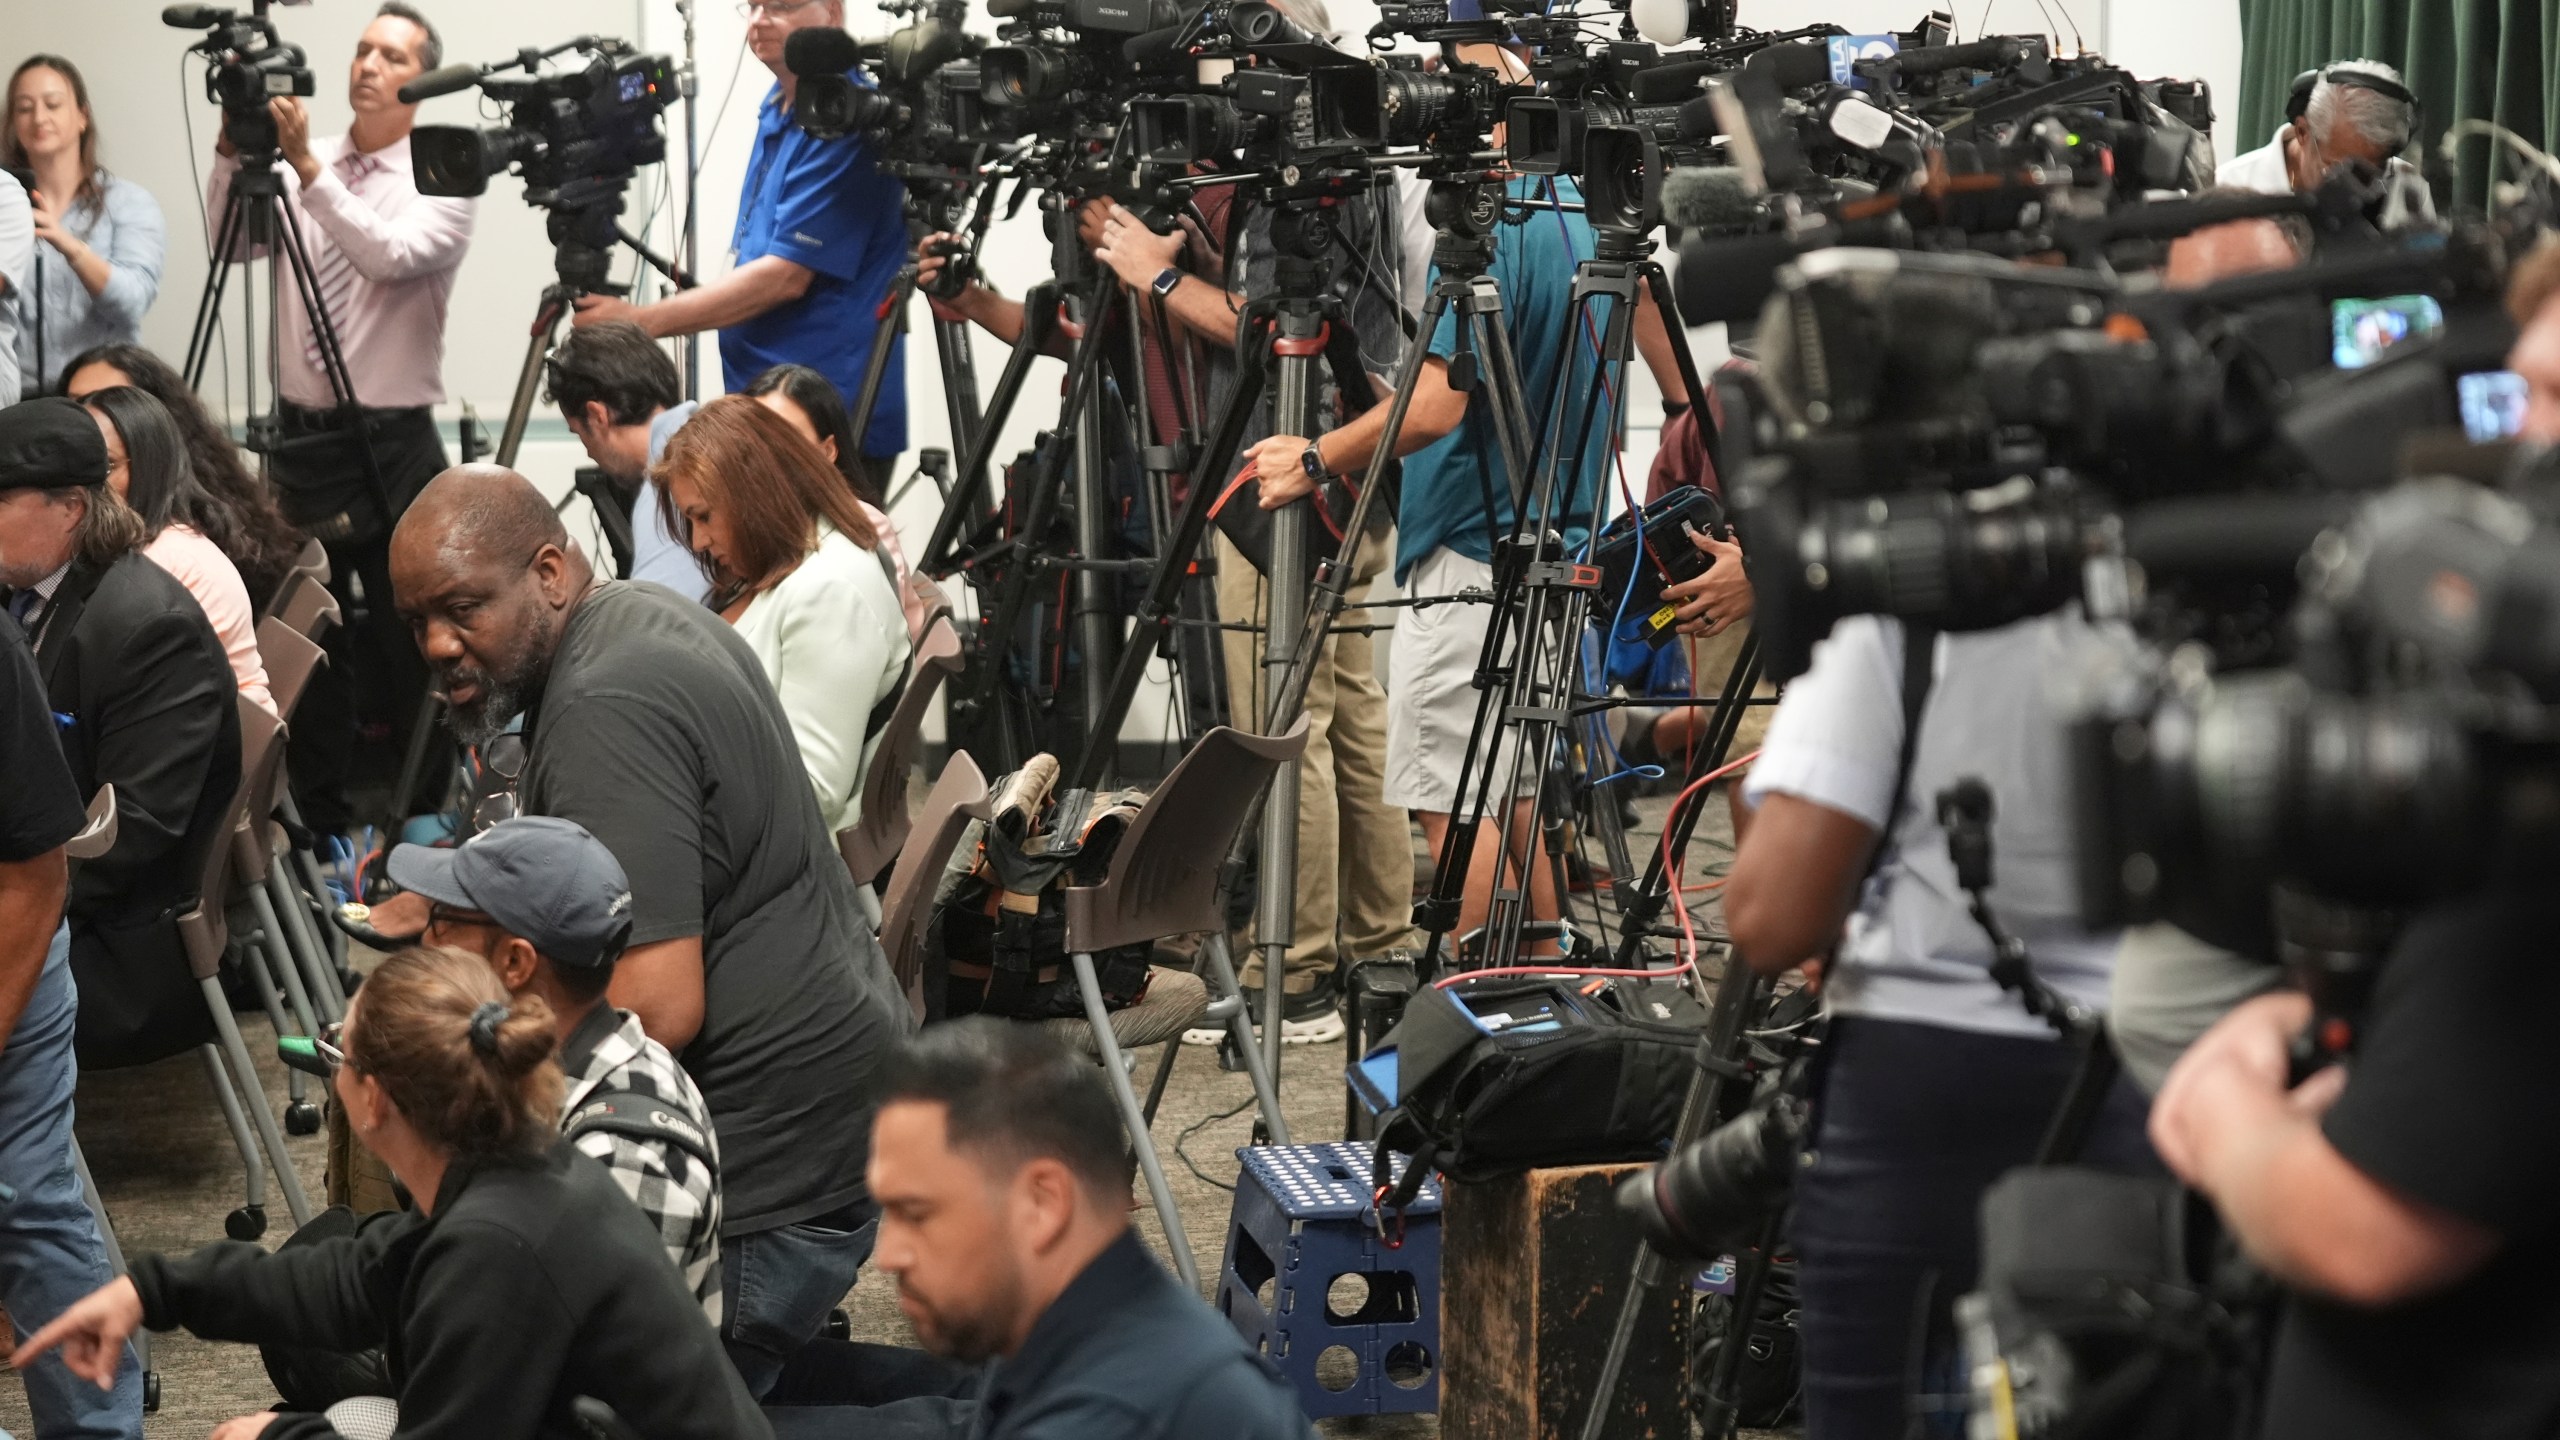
(821, 234)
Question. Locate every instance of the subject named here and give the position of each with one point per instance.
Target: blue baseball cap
(543, 879)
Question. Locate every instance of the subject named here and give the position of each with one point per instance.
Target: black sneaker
(1313, 1017)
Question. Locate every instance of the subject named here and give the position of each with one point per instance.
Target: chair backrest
(290, 656)
(313, 561)
(305, 605)
(204, 929)
(98, 835)
(924, 596)
(957, 798)
(1164, 872)
(875, 839)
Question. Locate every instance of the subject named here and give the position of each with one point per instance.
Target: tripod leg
(226, 245)
(1293, 400)
(886, 331)
(546, 328)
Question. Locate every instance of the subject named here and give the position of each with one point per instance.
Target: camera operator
(2358, 111)
(1455, 507)
(821, 236)
(383, 258)
(2405, 1198)
(620, 395)
(1935, 1080)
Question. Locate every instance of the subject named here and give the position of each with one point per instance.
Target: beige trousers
(1355, 852)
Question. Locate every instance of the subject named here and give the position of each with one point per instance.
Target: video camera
(247, 65)
(576, 136)
(917, 88)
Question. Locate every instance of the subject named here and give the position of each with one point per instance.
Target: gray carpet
(170, 1173)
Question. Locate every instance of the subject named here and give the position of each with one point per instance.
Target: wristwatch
(1165, 282)
(1312, 458)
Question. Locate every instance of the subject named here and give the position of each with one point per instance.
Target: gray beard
(487, 717)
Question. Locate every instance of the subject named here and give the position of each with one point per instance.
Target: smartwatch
(1165, 282)
(1312, 458)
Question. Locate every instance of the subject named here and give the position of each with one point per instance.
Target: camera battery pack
(1638, 561)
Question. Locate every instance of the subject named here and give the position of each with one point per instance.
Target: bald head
(482, 511)
(484, 573)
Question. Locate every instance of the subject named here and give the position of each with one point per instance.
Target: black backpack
(1514, 1072)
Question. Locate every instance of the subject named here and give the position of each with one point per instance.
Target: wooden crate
(1532, 1269)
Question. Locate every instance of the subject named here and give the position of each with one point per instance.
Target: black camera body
(577, 137)
(248, 65)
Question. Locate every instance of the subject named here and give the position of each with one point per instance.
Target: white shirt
(832, 639)
(1912, 950)
(17, 264)
(405, 248)
(2262, 170)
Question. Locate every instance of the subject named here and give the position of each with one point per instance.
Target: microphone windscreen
(2245, 535)
(1710, 199)
(192, 17)
(1664, 22)
(1697, 121)
(1669, 84)
(817, 51)
(1795, 65)
(1157, 50)
(1728, 279)
(446, 81)
(1009, 9)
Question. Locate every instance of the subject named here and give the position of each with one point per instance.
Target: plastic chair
(877, 837)
(1163, 881)
(309, 967)
(98, 834)
(925, 598)
(205, 930)
(313, 561)
(305, 606)
(959, 797)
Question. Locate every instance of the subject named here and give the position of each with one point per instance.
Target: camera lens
(1410, 105)
(1708, 1198)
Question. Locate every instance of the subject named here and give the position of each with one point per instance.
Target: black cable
(1196, 1127)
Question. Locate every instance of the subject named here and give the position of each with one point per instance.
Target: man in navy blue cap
(547, 906)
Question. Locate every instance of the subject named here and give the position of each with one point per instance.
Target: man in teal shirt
(1457, 502)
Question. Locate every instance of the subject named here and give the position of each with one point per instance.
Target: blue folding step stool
(1303, 1220)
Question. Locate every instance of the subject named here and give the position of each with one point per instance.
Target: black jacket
(533, 1283)
(127, 654)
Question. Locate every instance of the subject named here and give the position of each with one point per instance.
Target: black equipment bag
(1513, 1072)
(996, 941)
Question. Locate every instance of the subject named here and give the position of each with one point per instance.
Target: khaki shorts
(1431, 692)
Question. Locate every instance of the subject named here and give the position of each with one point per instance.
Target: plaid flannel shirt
(679, 1194)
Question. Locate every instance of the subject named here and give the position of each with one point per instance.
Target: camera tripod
(254, 214)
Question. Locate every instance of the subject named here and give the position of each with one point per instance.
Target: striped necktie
(333, 274)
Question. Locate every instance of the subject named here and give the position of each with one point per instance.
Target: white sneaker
(1313, 1018)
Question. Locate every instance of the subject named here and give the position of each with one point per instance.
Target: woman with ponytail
(523, 1280)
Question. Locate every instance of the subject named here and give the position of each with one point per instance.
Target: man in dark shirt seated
(1003, 1184)
(650, 723)
(146, 702)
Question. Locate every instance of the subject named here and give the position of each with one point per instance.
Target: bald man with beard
(649, 722)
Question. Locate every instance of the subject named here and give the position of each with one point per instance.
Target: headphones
(2298, 101)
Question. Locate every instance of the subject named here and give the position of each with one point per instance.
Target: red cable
(1688, 936)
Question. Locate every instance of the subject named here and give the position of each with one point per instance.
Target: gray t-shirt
(658, 732)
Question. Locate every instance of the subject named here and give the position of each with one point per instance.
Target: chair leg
(261, 972)
(1136, 1120)
(280, 956)
(1224, 991)
(253, 1098)
(252, 1163)
(305, 946)
(107, 1232)
(313, 882)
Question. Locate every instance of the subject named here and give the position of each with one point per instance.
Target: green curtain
(2466, 59)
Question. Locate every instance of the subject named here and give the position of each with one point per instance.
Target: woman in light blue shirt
(103, 240)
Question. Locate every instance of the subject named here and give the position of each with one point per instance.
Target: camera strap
(1919, 673)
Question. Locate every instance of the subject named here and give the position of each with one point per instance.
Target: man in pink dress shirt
(383, 259)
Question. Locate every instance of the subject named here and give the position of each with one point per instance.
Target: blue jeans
(50, 1251)
(776, 1287)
